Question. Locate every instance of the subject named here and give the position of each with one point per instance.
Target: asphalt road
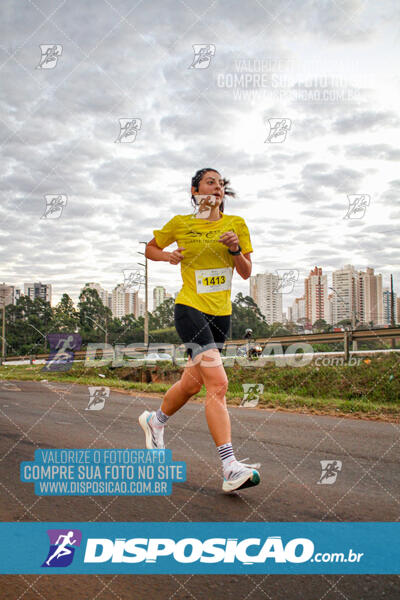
(290, 447)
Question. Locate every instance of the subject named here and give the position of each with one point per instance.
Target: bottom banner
(200, 548)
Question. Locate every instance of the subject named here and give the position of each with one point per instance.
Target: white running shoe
(241, 476)
(154, 435)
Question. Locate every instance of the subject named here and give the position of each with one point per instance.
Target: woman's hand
(176, 256)
(231, 240)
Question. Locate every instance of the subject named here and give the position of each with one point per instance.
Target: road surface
(290, 447)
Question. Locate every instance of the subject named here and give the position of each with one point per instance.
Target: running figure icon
(63, 544)
(62, 549)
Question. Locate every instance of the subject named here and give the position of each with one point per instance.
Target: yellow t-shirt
(207, 266)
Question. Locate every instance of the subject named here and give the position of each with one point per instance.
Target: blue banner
(200, 548)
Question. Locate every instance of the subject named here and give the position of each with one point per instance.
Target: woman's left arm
(242, 261)
(243, 265)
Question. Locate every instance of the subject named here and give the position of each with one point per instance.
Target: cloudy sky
(327, 70)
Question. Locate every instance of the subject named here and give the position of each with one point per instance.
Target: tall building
(263, 291)
(141, 309)
(357, 296)
(38, 290)
(131, 306)
(123, 302)
(330, 308)
(298, 309)
(7, 294)
(135, 303)
(387, 307)
(118, 301)
(316, 296)
(101, 292)
(159, 295)
(369, 297)
(397, 311)
(344, 301)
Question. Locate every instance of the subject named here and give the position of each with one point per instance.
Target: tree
(65, 316)
(345, 323)
(132, 330)
(163, 316)
(279, 329)
(246, 314)
(292, 327)
(321, 325)
(27, 324)
(94, 317)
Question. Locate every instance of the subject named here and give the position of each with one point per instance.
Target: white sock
(160, 418)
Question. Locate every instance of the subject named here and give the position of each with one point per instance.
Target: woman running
(211, 245)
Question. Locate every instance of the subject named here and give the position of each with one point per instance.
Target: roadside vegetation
(370, 389)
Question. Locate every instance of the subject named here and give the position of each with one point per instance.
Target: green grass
(367, 390)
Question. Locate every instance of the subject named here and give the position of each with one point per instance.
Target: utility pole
(3, 323)
(146, 297)
(392, 319)
(3, 326)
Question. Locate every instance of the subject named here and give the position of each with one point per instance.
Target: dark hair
(198, 176)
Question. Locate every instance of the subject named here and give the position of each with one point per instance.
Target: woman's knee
(217, 387)
(215, 381)
(191, 382)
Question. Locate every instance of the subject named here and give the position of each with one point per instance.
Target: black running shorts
(200, 331)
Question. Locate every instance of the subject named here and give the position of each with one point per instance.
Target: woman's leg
(190, 325)
(216, 382)
(237, 475)
(189, 384)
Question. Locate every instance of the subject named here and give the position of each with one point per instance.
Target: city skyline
(158, 293)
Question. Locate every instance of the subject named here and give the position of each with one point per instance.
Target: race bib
(213, 280)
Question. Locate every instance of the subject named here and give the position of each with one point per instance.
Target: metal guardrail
(344, 337)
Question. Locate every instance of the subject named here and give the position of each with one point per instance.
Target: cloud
(59, 128)
(363, 120)
(373, 151)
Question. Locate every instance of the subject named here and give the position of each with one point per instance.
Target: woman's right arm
(154, 252)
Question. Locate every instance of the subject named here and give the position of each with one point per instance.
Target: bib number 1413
(213, 280)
